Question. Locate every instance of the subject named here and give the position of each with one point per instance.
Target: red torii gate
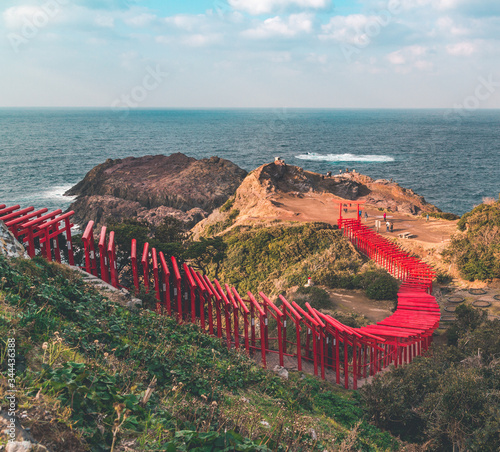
(341, 203)
(397, 339)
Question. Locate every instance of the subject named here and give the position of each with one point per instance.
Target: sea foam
(57, 193)
(313, 156)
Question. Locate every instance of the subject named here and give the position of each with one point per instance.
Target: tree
(205, 252)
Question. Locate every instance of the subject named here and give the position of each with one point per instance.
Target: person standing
(387, 226)
(385, 216)
(427, 218)
(392, 226)
(366, 216)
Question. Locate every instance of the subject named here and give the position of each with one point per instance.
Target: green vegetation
(443, 278)
(476, 251)
(93, 375)
(274, 259)
(450, 399)
(226, 207)
(220, 226)
(378, 284)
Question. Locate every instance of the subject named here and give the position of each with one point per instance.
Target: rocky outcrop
(9, 246)
(154, 187)
(103, 209)
(257, 190)
(276, 191)
(391, 196)
(17, 438)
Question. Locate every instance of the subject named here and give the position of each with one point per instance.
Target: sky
(250, 53)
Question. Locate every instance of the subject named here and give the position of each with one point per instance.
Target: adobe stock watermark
(133, 99)
(372, 29)
(485, 88)
(139, 93)
(31, 26)
(222, 7)
(10, 393)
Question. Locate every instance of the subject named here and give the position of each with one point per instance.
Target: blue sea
(452, 159)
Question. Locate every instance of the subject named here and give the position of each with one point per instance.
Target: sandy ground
(323, 208)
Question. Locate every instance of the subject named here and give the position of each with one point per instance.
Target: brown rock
(153, 187)
(274, 192)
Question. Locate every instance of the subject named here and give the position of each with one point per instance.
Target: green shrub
(318, 298)
(443, 278)
(383, 288)
(476, 252)
(345, 411)
(212, 441)
(226, 207)
(449, 398)
(378, 284)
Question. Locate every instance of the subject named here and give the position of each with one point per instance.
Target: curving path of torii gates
(255, 324)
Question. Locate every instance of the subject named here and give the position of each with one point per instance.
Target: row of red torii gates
(256, 324)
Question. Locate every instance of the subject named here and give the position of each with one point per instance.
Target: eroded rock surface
(278, 192)
(154, 187)
(9, 246)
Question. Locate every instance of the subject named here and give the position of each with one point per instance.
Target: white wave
(344, 157)
(57, 192)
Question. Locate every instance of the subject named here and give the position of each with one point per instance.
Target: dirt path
(355, 301)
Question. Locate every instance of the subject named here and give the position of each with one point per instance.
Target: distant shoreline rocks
(155, 187)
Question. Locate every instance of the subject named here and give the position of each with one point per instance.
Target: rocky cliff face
(391, 196)
(285, 192)
(153, 187)
(9, 246)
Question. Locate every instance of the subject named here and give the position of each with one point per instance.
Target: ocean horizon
(450, 157)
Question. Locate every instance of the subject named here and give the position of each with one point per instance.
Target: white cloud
(317, 59)
(276, 26)
(268, 6)
(447, 25)
(186, 22)
(201, 40)
(348, 29)
(140, 20)
(448, 4)
(17, 16)
(194, 40)
(280, 57)
(461, 49)
(105, 21)
(396, 58)
(410, 57)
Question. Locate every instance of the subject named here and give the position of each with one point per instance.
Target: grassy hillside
(476, 250)
(273, 259)
(93, 375)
